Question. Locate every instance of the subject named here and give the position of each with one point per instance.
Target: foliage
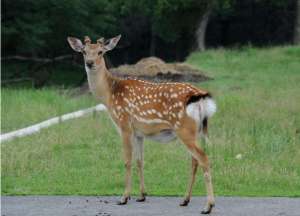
(40, 28)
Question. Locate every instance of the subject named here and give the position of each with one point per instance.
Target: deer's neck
(100, 82)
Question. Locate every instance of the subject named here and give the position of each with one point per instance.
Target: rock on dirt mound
(153, 68)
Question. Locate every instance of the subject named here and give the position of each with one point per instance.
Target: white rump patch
(204, 108)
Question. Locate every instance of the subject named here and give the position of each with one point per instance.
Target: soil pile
(153, 68)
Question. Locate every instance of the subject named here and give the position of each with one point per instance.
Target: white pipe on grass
(37, 127)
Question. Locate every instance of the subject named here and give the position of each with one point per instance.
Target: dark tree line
(170, 29)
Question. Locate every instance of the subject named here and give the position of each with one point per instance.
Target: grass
(257, 93)
(24, 107)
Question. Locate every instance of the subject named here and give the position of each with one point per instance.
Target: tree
(201, 29)
(297, 24)
(210, 7)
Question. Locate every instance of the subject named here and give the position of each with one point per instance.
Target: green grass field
(258, 96)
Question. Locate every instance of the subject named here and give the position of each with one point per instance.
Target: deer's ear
(76, 44)
(111, 43)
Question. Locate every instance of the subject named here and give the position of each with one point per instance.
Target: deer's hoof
(208, 209)
(142, 198)
(123, 200)
(185, 202)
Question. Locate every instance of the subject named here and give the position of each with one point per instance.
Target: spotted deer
(142, 109)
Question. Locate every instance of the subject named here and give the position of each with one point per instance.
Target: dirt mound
(153, 68)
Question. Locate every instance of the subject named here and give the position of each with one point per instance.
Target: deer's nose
(89, 64)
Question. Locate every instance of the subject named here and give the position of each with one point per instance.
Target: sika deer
(159, 111)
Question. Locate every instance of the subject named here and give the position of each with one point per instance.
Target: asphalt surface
(106, 206)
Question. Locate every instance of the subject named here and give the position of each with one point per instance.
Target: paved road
(154, 206)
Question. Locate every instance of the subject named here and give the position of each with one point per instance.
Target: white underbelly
(163, 136)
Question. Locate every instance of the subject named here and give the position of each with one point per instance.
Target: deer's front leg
(127, 152)
(139, 154)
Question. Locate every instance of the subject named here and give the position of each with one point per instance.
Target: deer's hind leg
(188, 195)
(188, 135)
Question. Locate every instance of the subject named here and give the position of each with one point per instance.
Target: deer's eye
(83, 52)
(100, 53)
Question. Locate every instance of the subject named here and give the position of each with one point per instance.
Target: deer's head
(93, 53)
